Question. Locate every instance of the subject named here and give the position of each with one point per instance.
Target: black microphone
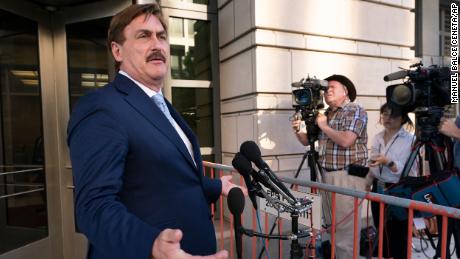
(264, 180)
(235, 200)
(297, 84)
(251, 151)
(396, 75)
(243, 166)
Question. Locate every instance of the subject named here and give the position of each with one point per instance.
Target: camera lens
(302, 97)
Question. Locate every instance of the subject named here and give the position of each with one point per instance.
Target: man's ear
(117, 51)
(345, 91)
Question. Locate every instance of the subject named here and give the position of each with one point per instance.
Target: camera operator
(452, 129)
(342, 153)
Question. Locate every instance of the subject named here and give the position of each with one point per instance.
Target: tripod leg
(327, 210)
(410, 161)
(299, 168)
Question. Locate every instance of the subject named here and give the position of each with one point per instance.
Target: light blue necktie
(160, 102)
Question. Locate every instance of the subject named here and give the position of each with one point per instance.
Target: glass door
(23, 210)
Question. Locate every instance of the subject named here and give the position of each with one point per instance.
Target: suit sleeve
(98, 148)
(212, 188)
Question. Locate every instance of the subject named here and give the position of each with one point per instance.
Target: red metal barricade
(445, 212)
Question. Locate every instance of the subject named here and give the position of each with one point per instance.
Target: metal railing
(411, 205)
(20, 193)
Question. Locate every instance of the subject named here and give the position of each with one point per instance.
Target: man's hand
(295, 124)
(227, 185)
(342, 138)
(167, 246)
(321, 120)
(448, 128)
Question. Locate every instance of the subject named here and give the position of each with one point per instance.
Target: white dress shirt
(398, 150)
(151, 93)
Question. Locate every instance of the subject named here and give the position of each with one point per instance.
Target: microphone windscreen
(402, 95)
(242, 164)
(396, 75)
(251, 151)
(297, 84)
(235, 200)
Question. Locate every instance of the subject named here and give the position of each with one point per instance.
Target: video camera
(425, 92)
(307, 94)
(307, 99)
(424, 87)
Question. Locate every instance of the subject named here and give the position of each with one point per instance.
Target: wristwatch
(391, 164)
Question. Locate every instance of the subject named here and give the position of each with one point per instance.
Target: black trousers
(394, 232)
(453, 229)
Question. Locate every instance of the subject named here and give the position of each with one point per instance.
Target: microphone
(251, 151)
(396, 75)
(235, 200)
(243, 166)
(297, 84)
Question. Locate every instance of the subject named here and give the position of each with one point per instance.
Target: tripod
(311, 155)
(427, 119)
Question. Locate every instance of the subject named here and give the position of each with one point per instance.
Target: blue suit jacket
(134, 177)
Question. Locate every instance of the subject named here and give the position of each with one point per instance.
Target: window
(195, 106)
(191, 78)
(88, 57)
(190, 49)
(444, 30)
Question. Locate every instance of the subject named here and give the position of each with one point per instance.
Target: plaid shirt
(349, 117)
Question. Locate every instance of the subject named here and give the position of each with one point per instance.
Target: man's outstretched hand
(167, 246)
(227, 185)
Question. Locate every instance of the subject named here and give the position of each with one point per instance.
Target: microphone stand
(301, 206)
(296, 250)
(312, 159)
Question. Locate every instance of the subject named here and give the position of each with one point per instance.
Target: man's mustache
(156, 55)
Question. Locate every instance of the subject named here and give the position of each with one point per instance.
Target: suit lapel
(189, 133)
(147, 108)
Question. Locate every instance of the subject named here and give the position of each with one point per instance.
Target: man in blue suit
(139, 185)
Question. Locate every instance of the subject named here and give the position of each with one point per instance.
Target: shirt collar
(401, 133)
(347, 101)
(150, 93)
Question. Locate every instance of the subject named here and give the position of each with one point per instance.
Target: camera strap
(386, 152)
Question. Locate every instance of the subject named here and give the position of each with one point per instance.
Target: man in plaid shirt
(342, 153)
